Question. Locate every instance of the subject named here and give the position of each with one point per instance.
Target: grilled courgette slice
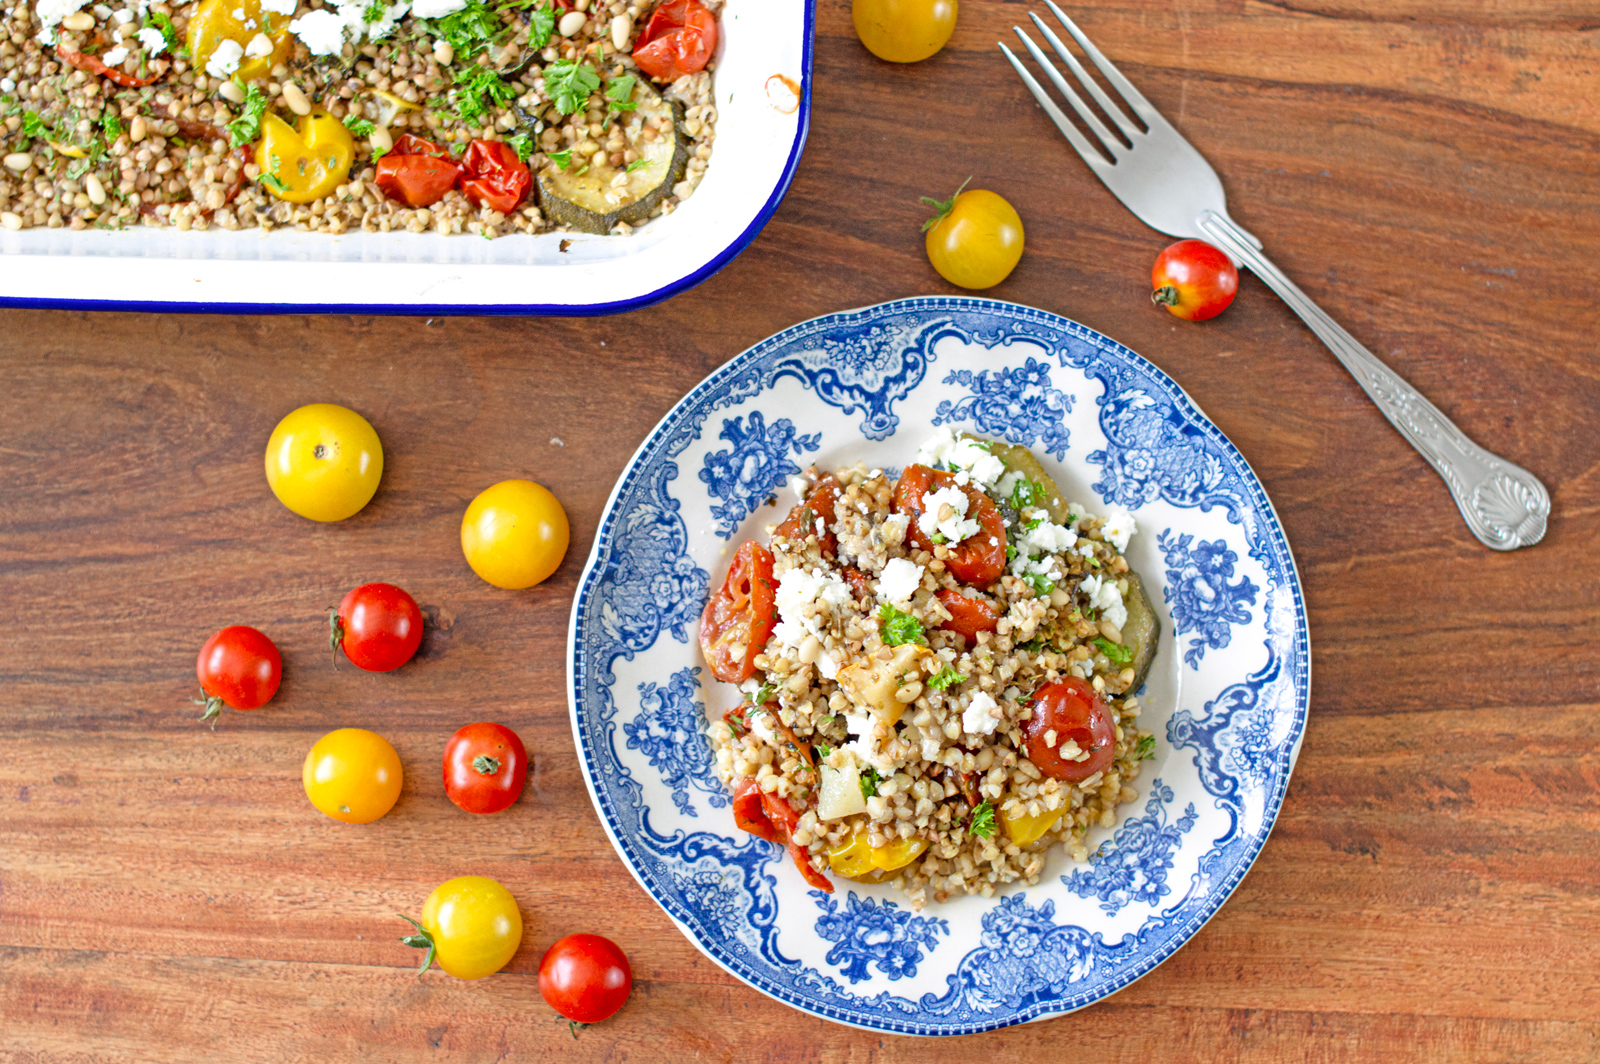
(588, 196)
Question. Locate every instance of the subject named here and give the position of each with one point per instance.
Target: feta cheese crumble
(1105, 596)
(322, 32)
(152, 40)
(51, 12)
(437, 8)
(280, 7)
(116, 57)
(1118, 528)
(954, 452)
(982, 715)
(955, 528)
(799, 588)
(899, 580)
(224, 62)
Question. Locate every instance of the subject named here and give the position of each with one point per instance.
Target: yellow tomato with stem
(304, 164)
(470, 925)
(324, 462)
(239, 21)
(975, 240)
(352, 775)
(904, 31)
(514, 534)
(857, 858)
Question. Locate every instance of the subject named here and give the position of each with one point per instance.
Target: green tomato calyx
(1165, 296)
(420, 940)
(484, 765)
(943, 207)
(213, 704)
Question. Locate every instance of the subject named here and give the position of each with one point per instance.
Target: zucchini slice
(588, 196)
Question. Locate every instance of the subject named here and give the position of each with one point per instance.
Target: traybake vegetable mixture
(453, 116)
(939, 673)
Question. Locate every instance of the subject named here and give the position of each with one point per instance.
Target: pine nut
(139, 129)
(97, 191)
(78, 21)
(18, 161)
(621, 30)
(572, 22)
(380, 139)
(443, 53)
(231, 91)
(11, 220)
(295, 97)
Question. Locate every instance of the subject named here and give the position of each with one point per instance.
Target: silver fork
(1162, 179)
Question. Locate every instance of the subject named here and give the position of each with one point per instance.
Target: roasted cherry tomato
(802, 520)
(968, 616)
(1072, 709)
(774, 819)
(739, 619)
(585, 978)
(212, 22)
(470, 925)
(324, 462)
(493, 176)
(305, 163)
(981, 557)
(975, 239)
(378, 626)
(416, 172)
(352, 775)
(485, 766)
(679, 39)
(515, 534)
(860, 583)
(1194, 280)
(94, 65)
(904, 31)
(238, 667)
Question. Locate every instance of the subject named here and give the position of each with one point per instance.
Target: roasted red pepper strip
(95, 66)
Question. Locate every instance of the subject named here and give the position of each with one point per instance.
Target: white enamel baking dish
(757, 149)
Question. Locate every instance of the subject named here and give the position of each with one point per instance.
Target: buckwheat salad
(487, 117)
(939, 673)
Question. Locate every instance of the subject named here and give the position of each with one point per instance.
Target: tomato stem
(420, 940)
(335, 633)
(1165, 296)
(574, 1026)
(944, 207)
(485, 765)
(213, 705)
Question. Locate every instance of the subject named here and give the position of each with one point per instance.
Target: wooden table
(1425, 168)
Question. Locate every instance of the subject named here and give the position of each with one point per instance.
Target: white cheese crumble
(322, 32)
(982, 715)
(122, 17)
(955, 528)
(224, 62)
(953, 452)
(865, 747)
(116, 57)
(437, 8)
(7, 85)
(827, 665)
(238, 14)
(1119, 526)
(797, 589)
(1105, 596)
(280, 7)
(51, 12)
(899, 580)
(152, 40)
(1049, 538)
(762, 726)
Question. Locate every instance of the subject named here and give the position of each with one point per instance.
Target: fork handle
(1505, 505)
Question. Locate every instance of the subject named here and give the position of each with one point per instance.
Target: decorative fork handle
(1505, 505)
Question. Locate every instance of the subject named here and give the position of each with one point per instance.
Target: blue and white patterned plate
(1227, 697)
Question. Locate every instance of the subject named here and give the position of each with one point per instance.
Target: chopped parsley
(638, 164)
(477, 90)
(569, 84)
(541, 24)
(1145, 749)
(522, 144)
(359, 126)
(1034, 645)
(763, 695)
(33, 126)
(824, 751)
(374, 11)
(110, 125)
(937, 537)
(982, 822)
(947, 678)
(620, 94)
(899, 627)
(1011, 551)
(273, 182)
(469, 31)
(1114, 651)
(247, 127)
(868, 779)
(1041, 584)
(1026, 493)
(169, 32)
(562, 159)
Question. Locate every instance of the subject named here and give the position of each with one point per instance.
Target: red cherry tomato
(860, 583)
(416, 172)
(378, 626)
(485, 767)
(1193, 280)
(1073, 711)
(96, 66)
(968, 616)
(802, 520)
(981, 557)
(493, 176)
(739, 618)
(585, 978)
(679, 39)
(774, 819)
(237, 667)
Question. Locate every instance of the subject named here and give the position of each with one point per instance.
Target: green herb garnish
(522, 144)
(469, 31)
(374, 11)
(982, 822)
(1011, 552)
(937, 537)
(477, 90)
(562, 159)
(569, 84)
(1145, 749)
(1041, 584)
(868, 778)
(638, 164)
(169, 32)
(541, 24)
(763, 695)
(274, 182)
(247, 127)
(620, 94)
(1114, 651)
(899, 627)
(948, 677)
(110, 125)
(33, 126)
(824, 751)
(359, 126)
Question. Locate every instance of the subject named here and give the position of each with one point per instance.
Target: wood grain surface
(1427, 169)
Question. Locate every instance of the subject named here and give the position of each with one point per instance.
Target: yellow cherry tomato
(1023, 829)
(514, 534)
(857, 858)
(353, 775)
(305, 164)
(904, 31)
(470, 925)
(975, 240)
(324, 462)
(240, 21)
